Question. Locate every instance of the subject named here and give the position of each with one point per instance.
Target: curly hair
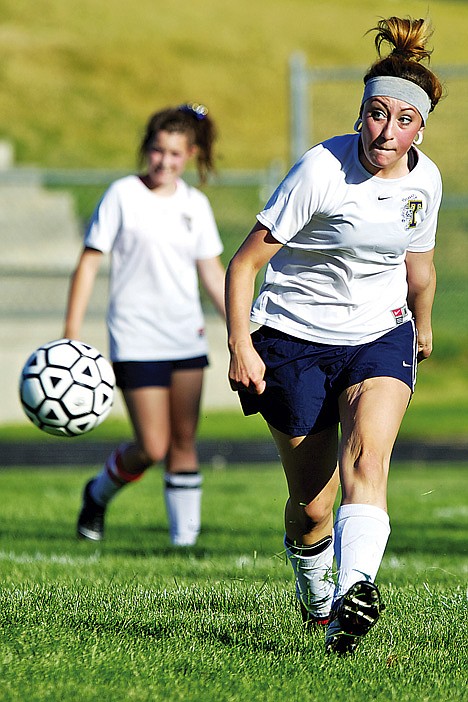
(408, 37)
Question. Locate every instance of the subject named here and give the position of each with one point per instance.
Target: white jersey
(340, 277)
(154, 309)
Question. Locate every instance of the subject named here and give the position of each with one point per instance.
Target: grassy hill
(79, 79)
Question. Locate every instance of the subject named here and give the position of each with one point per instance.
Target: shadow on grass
(129, 541)
(415, 538)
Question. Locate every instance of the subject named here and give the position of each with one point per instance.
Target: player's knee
(152, 452)
(316, 514)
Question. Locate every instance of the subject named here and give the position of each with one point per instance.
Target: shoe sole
(358, 612)
(89, 535)
(360, 609)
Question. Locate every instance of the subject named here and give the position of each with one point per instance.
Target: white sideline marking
(61, 559)
(452, 512)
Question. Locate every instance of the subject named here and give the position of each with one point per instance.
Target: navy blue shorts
(130, 375)
(304, 380)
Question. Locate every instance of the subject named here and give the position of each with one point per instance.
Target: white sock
(361, 535)
(312, 567)
(182, 493)
(111, 478)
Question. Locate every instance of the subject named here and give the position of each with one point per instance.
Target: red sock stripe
(117, 473)
(129, 477)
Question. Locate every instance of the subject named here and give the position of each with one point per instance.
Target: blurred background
(79, 82)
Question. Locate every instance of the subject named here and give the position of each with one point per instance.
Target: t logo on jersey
(413, 206)
(410, 210)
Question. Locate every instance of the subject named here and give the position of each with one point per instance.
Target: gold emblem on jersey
(409, 213)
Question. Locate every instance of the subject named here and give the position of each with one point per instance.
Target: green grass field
(135, 619)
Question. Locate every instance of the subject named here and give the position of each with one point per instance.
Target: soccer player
(162, 238)
(345, 315)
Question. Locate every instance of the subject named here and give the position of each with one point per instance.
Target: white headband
(401, 89)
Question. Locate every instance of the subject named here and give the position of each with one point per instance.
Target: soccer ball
(67, 387)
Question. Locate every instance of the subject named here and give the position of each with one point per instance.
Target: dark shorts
(130, 375)
(304, 380)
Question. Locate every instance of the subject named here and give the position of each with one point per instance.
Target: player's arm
(211, 273)
(81, 287)
(421, 276)
(246, 368)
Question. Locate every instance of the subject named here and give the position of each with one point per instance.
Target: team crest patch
(400, 314)
(411, 211)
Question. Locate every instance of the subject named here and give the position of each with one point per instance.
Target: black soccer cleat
(91, 518)
(352, 616)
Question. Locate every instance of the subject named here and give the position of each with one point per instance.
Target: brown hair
(408, 38)
(191, 119)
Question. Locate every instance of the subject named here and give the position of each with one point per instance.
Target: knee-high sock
(112, 478)
(361, 535)
(312, 567)
(182, 493)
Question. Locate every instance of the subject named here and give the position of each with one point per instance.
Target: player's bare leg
(310, 468)
(183, 482)
(371, 414)
(148, 409)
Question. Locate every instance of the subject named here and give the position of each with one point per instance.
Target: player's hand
(247, 370)
(424, 348)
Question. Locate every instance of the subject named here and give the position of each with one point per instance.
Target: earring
(418, 139)
(358, 125)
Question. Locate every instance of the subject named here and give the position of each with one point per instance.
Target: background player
(162, 239)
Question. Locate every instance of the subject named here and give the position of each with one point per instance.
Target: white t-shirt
(155, 242)
(340, 277)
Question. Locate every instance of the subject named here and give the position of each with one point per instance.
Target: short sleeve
(424, 236)
(105, 222)
(295, 201)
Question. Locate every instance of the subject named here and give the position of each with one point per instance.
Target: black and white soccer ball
(67, 387)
